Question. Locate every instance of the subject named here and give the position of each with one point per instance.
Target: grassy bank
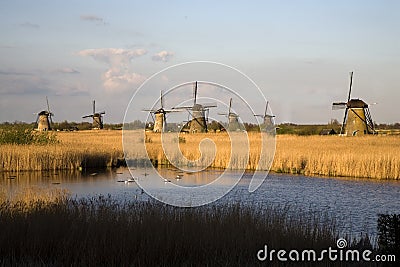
(375, 157)
(60, 231)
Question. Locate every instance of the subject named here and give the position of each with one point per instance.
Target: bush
(19, 136)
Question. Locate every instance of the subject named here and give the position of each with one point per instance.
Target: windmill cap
(357, 103)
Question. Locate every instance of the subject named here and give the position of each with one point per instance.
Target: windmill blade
(230, 106)
(88, 116)
(51, 117)
(351, 84)
(48, 107)
(266, 109)
(161, 99)
(164, 122)
(94, 106)
(339, 105)
(149, 110)
(223, 114)
(37, 119)
(344, 120)
(209, 105)
(183, 107)
(169, 110)
(102, 113)
(195, 93)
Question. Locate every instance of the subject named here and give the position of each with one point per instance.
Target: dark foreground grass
(103, 232)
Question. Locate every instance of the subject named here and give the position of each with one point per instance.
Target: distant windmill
(160, 120)
(233, 119)
(97, 117)
(357, 118)
(198, 112)
(268, 122)
(44, 118)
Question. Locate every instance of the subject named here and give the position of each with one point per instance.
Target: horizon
(299, 54)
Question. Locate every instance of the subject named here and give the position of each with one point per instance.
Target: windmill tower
(268, 120)
(357, 118)
(199, 114)
(233, 119)
(44, 118)
(160, 118)
(97, 117)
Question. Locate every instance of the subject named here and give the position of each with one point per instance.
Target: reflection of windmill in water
(268, 120)
(357, 118)
(233, 119)
(44, 118)
(160, 118)
(97, 117)
(198, 112)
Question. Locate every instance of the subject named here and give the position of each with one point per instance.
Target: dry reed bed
(104, 232)
(76, 149)
(365, 157)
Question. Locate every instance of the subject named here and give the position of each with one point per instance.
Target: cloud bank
(164, 56)
(119, 76)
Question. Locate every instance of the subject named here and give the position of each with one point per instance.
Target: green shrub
(21, 136)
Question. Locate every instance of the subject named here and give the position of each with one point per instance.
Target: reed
(101, 231)
(364, 157)
(85, 149)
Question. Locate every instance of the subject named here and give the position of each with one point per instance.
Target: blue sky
(298, 52)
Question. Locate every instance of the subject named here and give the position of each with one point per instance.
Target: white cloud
(67, 71)
(93, 18)
(164, 56)
(119, 76)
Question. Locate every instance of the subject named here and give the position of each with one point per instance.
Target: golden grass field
(365, 157)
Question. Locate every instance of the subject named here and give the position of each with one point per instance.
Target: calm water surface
(355, 203)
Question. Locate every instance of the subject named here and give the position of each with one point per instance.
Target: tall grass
(85, 149)
(363, 157)
(375, 157)
(103, 232)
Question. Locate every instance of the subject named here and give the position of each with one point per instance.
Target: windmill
(268, 120)
(198, 112)
(160, 120)
(357, 118)
(97, 117)
(233, 119)
(44, 118)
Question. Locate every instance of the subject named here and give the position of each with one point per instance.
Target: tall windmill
(357, 118)
(97, 117)
(233, 119)
(160, 120)
(198, 112)
(268, 120)
(44, 118)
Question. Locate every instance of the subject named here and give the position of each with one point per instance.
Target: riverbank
(373, 157)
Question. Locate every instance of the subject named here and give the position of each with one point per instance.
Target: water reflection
(355, 203)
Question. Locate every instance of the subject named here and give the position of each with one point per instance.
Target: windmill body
(198, 123)
(43, 121)
(268, 120)
(44, 118)
(233, 119)
(357, 117)
(97, 117)
(160, 120)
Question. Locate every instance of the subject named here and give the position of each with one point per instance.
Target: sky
(299, 53)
